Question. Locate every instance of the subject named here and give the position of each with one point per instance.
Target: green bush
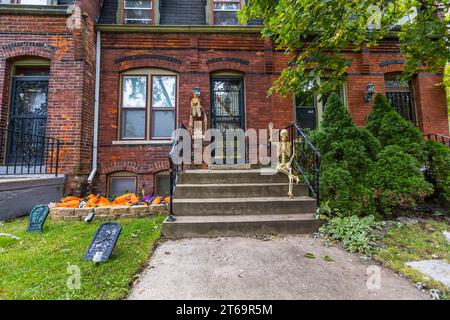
(438, 172)
(340, 140)
(357, 234)
(339, 189)
(392, 129)
(347, 153)
(396, 180)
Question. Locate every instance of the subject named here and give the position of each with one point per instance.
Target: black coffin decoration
(37, 218)
(104, 241)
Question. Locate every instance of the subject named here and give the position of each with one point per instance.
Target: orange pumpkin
(167, 199)
(97, 202)
(69, 199)
(69, 204)
(157, 200)
(126, 199)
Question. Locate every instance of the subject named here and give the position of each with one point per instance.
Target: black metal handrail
(25, 153)
(175, 170)
(307, 159)
(439, 138)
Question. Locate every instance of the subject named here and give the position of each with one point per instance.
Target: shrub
(438, 172)
(339, 189)
(357, 234)
(396, 180)
(347, 153)
(340, 140)
(392, 129)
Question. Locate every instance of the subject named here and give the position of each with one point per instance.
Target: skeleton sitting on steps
(285, 154)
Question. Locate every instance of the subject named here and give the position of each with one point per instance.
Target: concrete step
(205, 176)
(243, 206)
(244, 225)
(243, 190)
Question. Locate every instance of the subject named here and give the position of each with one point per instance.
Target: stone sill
(119, 212)
(35, 9)
(140, 142)
(178, 29)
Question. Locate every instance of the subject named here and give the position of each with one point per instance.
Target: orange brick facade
(194, 57)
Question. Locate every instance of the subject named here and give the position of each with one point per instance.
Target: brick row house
(149, 57)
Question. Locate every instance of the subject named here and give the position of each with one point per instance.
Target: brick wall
(71, 56)
(195, 56)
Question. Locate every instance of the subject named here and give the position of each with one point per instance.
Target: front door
(227, 114)
(27, 121)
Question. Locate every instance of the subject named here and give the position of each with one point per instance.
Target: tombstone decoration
(37, 218)
(103, 242)
(89, 217)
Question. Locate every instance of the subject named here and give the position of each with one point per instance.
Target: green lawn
(422, 241)
(36, 267)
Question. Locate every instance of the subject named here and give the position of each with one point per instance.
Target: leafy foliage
(347, 153)
(340, 140)
(396, 180)
(316, 32)
(392, 129)
(438, 172)
(357, 234)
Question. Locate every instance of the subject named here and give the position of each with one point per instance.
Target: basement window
(162, 183)
(225, 12)
(121, 183)
(137, 11)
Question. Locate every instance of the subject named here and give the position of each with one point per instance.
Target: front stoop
(212, 203)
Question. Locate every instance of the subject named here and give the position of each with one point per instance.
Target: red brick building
(151, 56)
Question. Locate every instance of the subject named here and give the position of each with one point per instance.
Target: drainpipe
(96, 109)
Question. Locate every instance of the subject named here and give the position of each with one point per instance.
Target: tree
(315, 33)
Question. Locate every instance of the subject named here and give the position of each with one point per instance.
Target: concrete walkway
(250, 268)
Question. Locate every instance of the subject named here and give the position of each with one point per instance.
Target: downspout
(96, 109)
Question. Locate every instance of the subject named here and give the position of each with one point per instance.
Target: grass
(422, 241)
(36, 267)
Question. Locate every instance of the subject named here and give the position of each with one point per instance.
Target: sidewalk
(250, 268)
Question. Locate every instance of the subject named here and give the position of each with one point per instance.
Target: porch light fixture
(370, 92)
(197, 91)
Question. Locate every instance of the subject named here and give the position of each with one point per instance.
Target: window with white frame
(225, 12)
(138, 11)
(148, 105)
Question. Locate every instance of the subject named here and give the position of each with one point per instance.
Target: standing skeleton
(285, 154)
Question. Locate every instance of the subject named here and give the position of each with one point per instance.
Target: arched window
(149, 100)
(400, 95)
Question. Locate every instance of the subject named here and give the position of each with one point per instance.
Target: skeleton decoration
(198, 122)
(285, 154)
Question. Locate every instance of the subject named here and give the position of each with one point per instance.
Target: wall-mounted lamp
(197, 91)
(370, 92)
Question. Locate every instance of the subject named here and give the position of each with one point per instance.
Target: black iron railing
(306, 161)
(175, 170)
(24, 153)
(439, 138)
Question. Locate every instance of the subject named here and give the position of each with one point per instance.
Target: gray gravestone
(103, 242)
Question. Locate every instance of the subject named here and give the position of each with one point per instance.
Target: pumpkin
(167, 199)
(97, 202)
(126, 199)
(157, 200)
(69, 204)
